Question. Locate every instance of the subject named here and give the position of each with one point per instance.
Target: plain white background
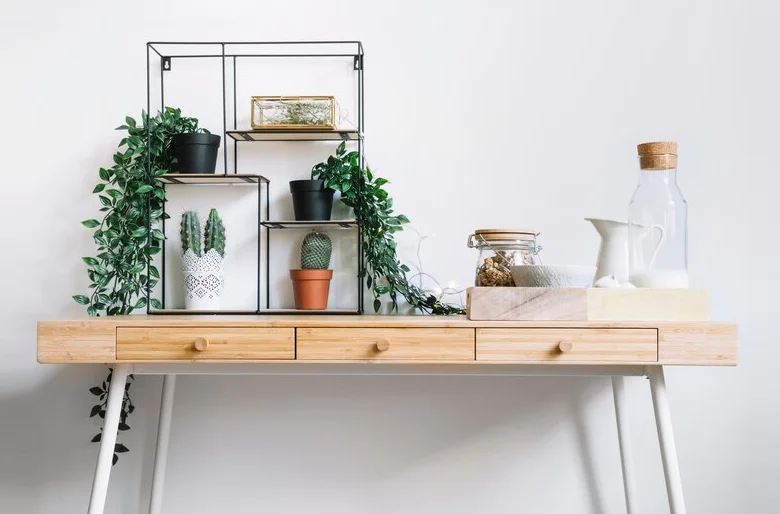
(483, 114)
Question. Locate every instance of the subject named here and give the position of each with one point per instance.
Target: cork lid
(495, 234)
(658, 155)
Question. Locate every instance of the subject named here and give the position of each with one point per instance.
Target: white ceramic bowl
(566, 275)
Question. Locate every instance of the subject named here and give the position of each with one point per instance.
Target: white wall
(483, 114)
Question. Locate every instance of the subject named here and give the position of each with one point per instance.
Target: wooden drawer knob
(382, 345)
(201, 344)
(565, 346)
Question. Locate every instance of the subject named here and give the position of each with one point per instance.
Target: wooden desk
(370, 345)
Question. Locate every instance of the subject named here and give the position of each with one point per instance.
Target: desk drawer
(568, 345)
(378, 344)
(186, 343)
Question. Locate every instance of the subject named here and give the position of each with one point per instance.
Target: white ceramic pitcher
(613, 250)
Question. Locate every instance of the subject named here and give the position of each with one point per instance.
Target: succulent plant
(214, 235)
(192, 238)
(315, 251)
(190, 233)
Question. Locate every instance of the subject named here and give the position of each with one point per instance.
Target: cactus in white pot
(203, 257)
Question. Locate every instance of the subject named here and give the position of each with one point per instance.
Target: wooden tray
(594, 304)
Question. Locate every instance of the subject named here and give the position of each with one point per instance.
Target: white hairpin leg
(116, 393)
(663, 421)
(626, 461)
(161, 451)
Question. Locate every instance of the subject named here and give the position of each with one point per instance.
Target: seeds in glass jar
(495, 271)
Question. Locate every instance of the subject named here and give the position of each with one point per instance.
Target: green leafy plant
(127, 235)
(213, 235)
(373, 206)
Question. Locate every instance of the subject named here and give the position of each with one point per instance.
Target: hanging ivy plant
(385, 275)
(127, 235)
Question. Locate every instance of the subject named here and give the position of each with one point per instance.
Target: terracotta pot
(311, 287)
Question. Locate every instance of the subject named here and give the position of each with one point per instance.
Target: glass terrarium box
(294, 112)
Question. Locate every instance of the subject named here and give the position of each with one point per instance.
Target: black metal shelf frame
(168, 53)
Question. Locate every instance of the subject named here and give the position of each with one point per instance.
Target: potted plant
(373, 206)
(192, 149)
(127, 235)
(311, 283)
(202, 260)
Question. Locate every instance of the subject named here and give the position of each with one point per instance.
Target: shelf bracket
(166, 64)
(358, 62)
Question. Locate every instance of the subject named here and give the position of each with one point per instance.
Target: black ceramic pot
(194, 153)
(311, 200)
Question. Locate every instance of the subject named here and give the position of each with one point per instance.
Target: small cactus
(214, 235)
(190, 233)
(315, 251)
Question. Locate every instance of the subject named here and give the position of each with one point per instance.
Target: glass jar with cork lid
(658, 221)
(499, 250)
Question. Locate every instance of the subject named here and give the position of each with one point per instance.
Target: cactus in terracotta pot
(311, 283)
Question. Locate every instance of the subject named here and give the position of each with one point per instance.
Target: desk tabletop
(375, 338)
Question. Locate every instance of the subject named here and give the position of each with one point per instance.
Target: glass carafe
(658, 221)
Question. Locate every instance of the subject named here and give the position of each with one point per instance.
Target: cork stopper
(659, 155)
(496, 234)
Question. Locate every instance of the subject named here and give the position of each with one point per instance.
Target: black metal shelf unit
(165, 55)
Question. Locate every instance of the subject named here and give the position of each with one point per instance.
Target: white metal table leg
(663, 421)
(161, 451)
(626, 460)
(116, 393)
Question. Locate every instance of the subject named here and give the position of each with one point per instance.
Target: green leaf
(143, 189)
(377, 305)
(80, 298)
(90, 261)
(90, 223)
(156, 303)
(140, 303)
(106, 201)
(104, 174)
(380, 182)
(160, 193)
(99, 188)
(157, 234)
(139, 232)
(402, 218)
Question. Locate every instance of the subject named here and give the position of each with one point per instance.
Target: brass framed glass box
(294, 112)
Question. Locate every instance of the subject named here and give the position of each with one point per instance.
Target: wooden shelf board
(241, 312)
(211, 179)
(332, 224)
(294, 135)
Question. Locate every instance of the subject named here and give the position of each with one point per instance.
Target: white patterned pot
(204, 280)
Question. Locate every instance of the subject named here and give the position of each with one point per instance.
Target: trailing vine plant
(127, 235)
(385, 274)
